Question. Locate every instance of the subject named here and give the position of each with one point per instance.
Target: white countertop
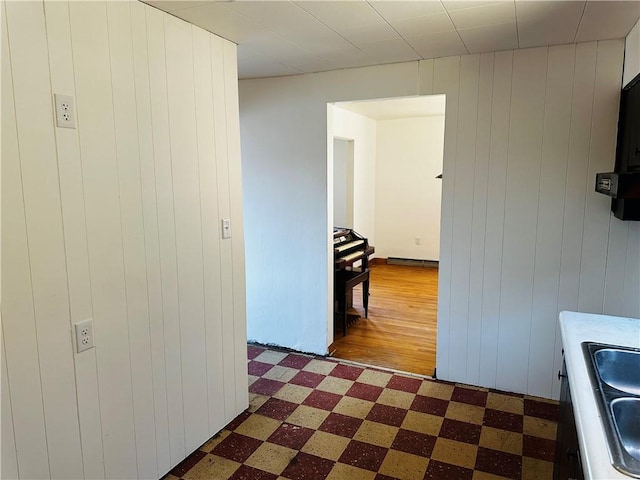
(583, 327)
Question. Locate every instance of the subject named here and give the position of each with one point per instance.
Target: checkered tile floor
(314, 418)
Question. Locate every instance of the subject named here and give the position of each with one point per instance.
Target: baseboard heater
(412, 262)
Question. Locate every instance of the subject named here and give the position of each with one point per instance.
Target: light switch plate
(226, 228)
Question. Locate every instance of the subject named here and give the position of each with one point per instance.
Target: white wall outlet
(226, 228)
(84, 335)
(65, 112)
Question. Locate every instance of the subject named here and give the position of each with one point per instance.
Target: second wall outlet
(226, 228)
(84, 335)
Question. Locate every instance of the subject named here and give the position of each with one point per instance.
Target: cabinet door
(567, 462)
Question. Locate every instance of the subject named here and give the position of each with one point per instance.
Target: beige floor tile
(539, 427)
(376, 433)
(404, 466)
(281, 374)
(258, 426)
(422, 423)
(465, 412)
(541, 399)
(326, 445)
(436, 390)
(342, 471)
(478, 475)
(319, 366)
(307, 417)
(212, 467)
(373, 377)
(335, 385)
(505, 403)
(354, 407)
(455, 453)
(252, 379)
(396, 398)
(501, 440)
(215, 440)
(256, 401)
(533, 469)
(168, 476)
(271, 356)
(293, 393)
(271, 458)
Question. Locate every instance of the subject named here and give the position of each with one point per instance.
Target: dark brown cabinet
(567, 462)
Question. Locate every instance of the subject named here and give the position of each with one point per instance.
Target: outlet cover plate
(84, 335)
(65, 112)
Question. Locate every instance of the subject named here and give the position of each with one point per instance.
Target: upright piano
(349, 247)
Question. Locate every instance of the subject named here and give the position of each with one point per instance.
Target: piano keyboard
(351, 256)
(347, 246)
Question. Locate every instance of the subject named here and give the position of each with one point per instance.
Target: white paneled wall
(118, 221)
(523, 233)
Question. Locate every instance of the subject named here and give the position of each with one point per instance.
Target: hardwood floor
(400, 332)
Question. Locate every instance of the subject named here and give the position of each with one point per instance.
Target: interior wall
(523, 234)
(118, 221)
(409, 157)
(632, 54)
(343, 182)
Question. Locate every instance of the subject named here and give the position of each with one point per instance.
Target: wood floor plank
(400, 332)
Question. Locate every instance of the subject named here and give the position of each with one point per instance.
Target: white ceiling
(394, 108)
(291, 37)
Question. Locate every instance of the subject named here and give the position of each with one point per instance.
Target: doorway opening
(384, 157)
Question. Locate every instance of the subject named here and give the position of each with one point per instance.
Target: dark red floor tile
(499, 463)
(265, 386)
(441, 471)
(236, 447)
(246, 472)
(380, 476)
(414, 442)
(363, 455)
(253, 351)
(433, 406)
(405, 384)
(236, 422)
(388, 415)
(307, 467)
(348, 372)
(295, 361)
(460, 431)
(276, 408)
(510, 394)
(186, 465)
(322, 400)
(544, 410)
(291, 436)
(364, 391)
(342, 425)
(467, 395)
(307, 379)
(539, 448)
(504, 420)
(258, 368)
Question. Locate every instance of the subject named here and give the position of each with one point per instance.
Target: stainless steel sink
(615, 376)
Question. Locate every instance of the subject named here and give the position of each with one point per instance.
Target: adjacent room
(168, 263)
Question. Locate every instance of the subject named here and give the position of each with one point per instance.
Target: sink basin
(619, 369)
(615, 376)
(626, 416)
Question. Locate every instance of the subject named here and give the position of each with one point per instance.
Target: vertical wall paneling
(617, 249)
(553, 174)
(166, 230)
(133, 241)
(94, 102)
(210, 232)
(630, 297)
(479, 215)
(224, 211)
(186, 184)
(425, 76)
(496, 187)
(609, 61)
(150, 226)
(462, 220)
(523, 176)
(9, 463)
(446, 79)
(235, 190)
(75, 238)
(33, 109)
(18, 318)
